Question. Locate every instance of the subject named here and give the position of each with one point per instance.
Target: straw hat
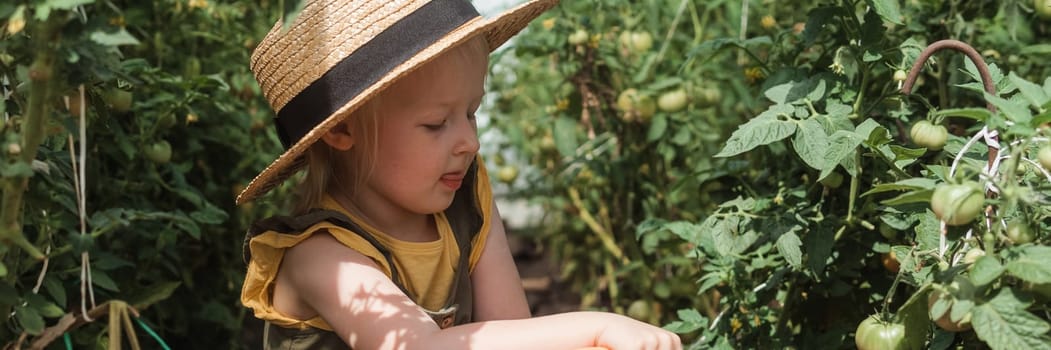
(336, 55)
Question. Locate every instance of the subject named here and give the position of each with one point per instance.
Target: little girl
(395, 242)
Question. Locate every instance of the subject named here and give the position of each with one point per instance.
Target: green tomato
(928, 135)
(639, 310)
(507, 173)
(876, 334)
(900, 75)
(1043, 8)
(707, 96)
(672, 101)
(578, 37)
(166, 120)
(887, 231)
(957, 205)
(118, 100)
(1045, 156)
(159, 152)
(965, 289)
(636, 106)
(972, 255)
(833, 180)
(636, 42)
(1018, 232)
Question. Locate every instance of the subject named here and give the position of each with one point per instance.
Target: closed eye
(436, 127)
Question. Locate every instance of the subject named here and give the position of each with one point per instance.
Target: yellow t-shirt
(427, 268)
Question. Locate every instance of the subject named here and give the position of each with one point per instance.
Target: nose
(467, 140)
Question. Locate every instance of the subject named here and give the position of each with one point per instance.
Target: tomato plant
(797, 164)
(93, 194)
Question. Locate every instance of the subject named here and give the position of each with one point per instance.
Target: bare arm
(368, 311)
(498, 293)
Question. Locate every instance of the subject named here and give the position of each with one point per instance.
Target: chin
(436, 206)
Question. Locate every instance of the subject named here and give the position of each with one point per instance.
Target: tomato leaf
(42, 306)
(1032, 92)
(912, 183)
(30, 320)
(145, 297)
(657, 128)
(816, 20)
(118, 38)
(1014, 111)
(913, 314)
(761, 130)
(1030, 263)
(928, 232)
(67, 4)
(53, 286)
(1004, 323)
(788, 245)
(810, 143)
(102, 279)
(978, 114)
(818, 244)
(691, 320)
(986, 270)
(889, 10)
(916, 196)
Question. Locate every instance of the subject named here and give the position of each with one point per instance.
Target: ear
(339, 137)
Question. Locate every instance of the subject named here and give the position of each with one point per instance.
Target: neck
(395, 222)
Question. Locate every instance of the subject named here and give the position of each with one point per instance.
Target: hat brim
(497, 30)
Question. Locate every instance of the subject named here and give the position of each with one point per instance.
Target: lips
(452, 180)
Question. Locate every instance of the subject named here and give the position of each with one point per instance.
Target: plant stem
(32, 135)
(603, 235)
(854, 186)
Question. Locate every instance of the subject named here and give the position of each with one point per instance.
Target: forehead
(461, 68)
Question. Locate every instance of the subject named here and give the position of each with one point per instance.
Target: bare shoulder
(321, 248)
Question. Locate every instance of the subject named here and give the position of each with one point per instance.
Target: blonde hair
(329, 169)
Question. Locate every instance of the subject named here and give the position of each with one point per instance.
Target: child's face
(427, 136)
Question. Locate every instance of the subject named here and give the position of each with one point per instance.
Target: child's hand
(624, 333)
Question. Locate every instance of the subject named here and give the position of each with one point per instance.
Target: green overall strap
(465, 220)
